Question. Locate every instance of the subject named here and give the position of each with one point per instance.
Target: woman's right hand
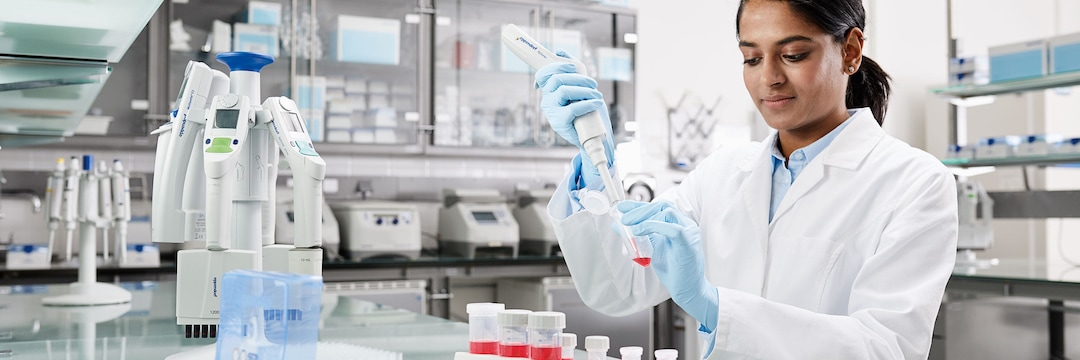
(567, 95)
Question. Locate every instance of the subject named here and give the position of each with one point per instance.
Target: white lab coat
(853, 265)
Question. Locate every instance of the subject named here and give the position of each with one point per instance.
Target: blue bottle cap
(244, 61)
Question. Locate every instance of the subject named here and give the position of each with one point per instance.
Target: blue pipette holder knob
(244, 61)
(87, 162)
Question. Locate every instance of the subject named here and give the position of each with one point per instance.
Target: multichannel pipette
(590, 127)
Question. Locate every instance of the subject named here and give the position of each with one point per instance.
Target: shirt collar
(815, 148)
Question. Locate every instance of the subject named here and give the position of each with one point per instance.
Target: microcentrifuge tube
(631, 352)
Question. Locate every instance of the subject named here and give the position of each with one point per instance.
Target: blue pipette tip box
(269, 315)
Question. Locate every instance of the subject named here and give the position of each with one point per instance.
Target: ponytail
(869, 87)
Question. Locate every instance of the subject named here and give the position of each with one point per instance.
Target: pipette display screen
(295, 124)
(226, 118)
(485, 217)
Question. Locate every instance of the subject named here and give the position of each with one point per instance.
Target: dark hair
(869, 86)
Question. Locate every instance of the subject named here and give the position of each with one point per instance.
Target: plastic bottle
(569, 343)
(597, 346)
(666, 354)
(483, 327)
(631, 352)
(514, 333)
(545, 335)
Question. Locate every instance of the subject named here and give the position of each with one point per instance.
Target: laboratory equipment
(569, 343)
(121, 212)
(998, 147)
(537, 234)
(484, 327)
(1039, 145)
(1064, 53)
(475, 221)
(378, 229)
(631, 352)
(597, 346)
(975, 210)
(237, 161)
(284, 225)
(20, 227)
(513, 333)
(666, 354)
(1018, 61)
(104, 206)
(559, 293)
(87, 291)
(590, 127)
(71, 204)
(269, 315)
(54, 202)
(178, 163)
(545, 335)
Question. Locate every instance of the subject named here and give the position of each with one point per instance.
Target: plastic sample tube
(484, 327)
(545, 335)
(640, 249)
(666, 354)
(631, 352)
(513, 333)
(597, 346)
(569, 342)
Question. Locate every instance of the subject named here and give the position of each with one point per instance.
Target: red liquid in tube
(484, 347)
(545, 353)
(643, 261)
(514, 350)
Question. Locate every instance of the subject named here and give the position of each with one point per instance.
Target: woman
(828, 240)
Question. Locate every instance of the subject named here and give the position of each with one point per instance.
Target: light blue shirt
(784, 176)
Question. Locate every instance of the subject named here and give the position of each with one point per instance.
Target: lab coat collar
(847, 151)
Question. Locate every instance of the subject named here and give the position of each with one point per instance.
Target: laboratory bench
(1037, 279)
(146, 328)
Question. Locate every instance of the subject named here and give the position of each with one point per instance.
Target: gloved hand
(678, 258)
(567, 95)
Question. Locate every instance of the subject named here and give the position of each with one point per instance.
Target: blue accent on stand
(244, 61)
(87, 162)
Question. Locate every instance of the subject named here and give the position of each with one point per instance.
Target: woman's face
(793, 70)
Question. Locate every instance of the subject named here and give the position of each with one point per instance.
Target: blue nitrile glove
(567, 95)
(678, 258)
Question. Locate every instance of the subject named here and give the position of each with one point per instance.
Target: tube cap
(482, 309)
(569, 339)
(631, 351)
(513, 317)
(666, 354)
(547, 320)
(597, 342)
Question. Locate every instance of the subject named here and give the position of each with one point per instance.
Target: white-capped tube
(631, 352)
(597, 346)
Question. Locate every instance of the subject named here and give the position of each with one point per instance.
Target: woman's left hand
(678, 258)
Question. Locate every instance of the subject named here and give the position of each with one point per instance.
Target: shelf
(1015, 161)
(1045, 82)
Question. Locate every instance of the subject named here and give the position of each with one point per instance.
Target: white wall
(684, 46)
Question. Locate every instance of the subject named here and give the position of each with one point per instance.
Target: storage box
(1039, 145)
(960, 152)
(1018, 61)
(260, 39)
(1064, 53)
(997, 147)
(263, 13)
(614, 64)
(309, 92)
(30, 256)
(367, 40)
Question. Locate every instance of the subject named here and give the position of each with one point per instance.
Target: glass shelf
(1045, 82)
(1015, 161)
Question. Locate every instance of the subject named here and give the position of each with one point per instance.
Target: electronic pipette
(308, 169)
(590, 127)
(229, 119)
